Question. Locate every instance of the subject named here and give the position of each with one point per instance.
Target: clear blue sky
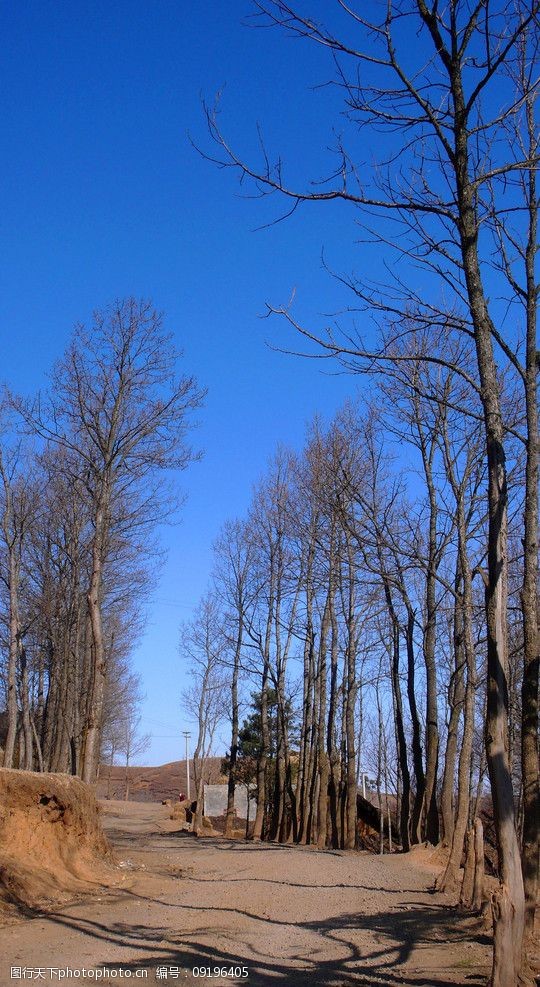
(103, 196)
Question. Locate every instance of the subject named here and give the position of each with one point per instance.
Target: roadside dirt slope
(51, 840)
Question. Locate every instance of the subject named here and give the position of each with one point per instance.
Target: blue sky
(103, 196)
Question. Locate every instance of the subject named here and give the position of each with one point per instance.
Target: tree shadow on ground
(254, 846)
(318, 886)
(123, 837)
(398, 948)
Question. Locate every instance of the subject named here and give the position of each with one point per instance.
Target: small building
(215, 800)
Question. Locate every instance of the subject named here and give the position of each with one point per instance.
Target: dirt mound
(239, 831)
(51, 841)
(182, 812)
(429, 858)
(207, 828)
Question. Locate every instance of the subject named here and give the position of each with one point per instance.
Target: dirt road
(190, 910)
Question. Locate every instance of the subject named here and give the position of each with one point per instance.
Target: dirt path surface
(291, 915)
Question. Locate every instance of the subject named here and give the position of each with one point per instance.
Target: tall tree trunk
(197, 825)
(478, 883)
(509, 921)
(350, 691)
(25, 709)
(322, 756)
(431, 812)
(233, 756)
(465, 898)
(37, 742)
(306, 733)
(380, 748)
(14, 635)
(465, 604)
(109, 778)
(455, 701)
(418, 764)
(332, 752)
(97, 650)
(400, 728)
(530, 854)
(350, 750)
(262, 760)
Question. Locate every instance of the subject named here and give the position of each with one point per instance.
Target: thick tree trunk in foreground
(510, 917)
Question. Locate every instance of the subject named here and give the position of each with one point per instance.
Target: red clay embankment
(51, 841)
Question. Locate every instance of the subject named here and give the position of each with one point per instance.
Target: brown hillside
(154, 784)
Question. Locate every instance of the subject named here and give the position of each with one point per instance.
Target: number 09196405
(233, 972)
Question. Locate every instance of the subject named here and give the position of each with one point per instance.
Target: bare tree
(120, 732)
(234, 562)
(132, 744)
(18, 509)
(121, 415)
(201, 648)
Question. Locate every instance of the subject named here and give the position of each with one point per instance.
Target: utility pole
(187, 735)
(363, 775)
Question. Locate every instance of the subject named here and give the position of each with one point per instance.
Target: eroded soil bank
(51, 840)
(291, 915)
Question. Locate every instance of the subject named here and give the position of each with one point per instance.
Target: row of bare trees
(359, 573)
(81, 469)
(351, 602)
(445, 97)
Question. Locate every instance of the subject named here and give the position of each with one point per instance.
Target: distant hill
(153, 784)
